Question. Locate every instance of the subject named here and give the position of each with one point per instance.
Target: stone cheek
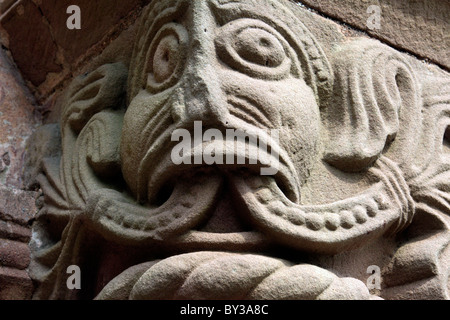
(360, 174)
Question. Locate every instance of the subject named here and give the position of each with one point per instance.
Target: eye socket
(260, 47)
(166, 57)
(253, 47)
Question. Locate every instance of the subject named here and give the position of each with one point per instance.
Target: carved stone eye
(165, 57)
(260, 47)
(253, 47)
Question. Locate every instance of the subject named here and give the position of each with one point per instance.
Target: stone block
(40, 27)
(15, 284)
(97, 19)
(420, 27)
(12, 231)
(14, 254)
(17, 205)
(29, 32)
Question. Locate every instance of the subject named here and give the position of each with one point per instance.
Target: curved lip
(162, 169)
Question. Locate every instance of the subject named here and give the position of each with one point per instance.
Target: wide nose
(204, 99)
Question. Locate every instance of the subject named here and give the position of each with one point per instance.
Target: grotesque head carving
(347, 130)
(203, 62)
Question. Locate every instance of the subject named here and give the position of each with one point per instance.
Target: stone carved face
(180, 231)
(199, 61)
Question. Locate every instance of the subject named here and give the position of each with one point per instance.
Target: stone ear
(93, 92)
(374, 91)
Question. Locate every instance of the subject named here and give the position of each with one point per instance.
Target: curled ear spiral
(374, 95)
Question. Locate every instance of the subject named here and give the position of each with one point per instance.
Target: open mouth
(181, 201)
(240, 159)
(236, 158)
(252, 264)
(178, 199)
(202, 189)
(191, 209)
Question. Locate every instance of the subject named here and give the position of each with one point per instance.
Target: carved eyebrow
(155, 17)
(223, 2)
(312, 61)
(226, 11)
(162, 14)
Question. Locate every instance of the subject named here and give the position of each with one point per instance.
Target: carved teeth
(151, 224)
(130, 222)
(278, 208)
(264, 195)
(314, 222)
(347, 219)
(163, 221)
(332, 221)
(176, 214)
(127, 223)
(360, 214)
(372, 208)
(187, 204)
(114, 214)
(296, 217)
(381, 202)
(118, 219)
(326, 228)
